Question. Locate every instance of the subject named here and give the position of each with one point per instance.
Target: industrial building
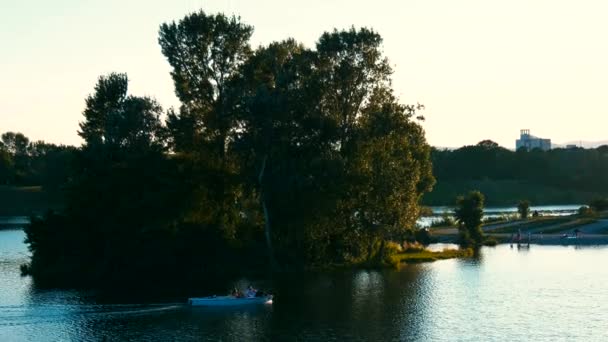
(530, 142)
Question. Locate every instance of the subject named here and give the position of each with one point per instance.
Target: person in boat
(251, 292)
(236, 293)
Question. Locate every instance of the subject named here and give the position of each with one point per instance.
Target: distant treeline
(26, 163)
(281, 157)
(572, 175)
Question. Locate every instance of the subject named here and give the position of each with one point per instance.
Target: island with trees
(282, 156)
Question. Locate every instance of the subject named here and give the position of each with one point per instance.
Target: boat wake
(11, 315)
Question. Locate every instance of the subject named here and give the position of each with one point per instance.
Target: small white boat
(229, 300)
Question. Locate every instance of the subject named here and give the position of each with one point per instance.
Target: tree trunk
(267, 226)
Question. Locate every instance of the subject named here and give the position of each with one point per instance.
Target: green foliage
(469, 214)
(504, 176)
(599, 204)
(15, 143)
(586, 211)
(445, 221)
(6, 166)
(523, 208)
(288, 155)
(413, 247)
(424, 236)
(25, 163)
(428, 256)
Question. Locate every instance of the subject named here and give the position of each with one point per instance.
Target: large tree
(117, 199)
(316, 121)
(15, 143)
(206, 53)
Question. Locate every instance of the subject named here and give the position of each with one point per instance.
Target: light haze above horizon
(483, 69)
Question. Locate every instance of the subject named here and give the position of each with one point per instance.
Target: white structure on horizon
(530, 142)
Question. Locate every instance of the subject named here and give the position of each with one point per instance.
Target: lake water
(549, 293)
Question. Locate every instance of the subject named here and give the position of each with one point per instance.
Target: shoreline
(545, 240)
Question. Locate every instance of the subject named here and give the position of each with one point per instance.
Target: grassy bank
(26, 201)
(429, 256)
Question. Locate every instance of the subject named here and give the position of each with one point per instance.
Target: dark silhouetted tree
(469, 215)
(523, 208)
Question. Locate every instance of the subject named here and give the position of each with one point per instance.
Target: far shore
(546, 239)
(562, 230)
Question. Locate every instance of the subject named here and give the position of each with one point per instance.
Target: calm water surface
(550, 293)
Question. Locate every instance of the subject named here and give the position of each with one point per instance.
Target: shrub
(599, 204)
(490, 241)
(469, 213)
(586, 211)
(423, 236)
(523, 207)
(413, 247)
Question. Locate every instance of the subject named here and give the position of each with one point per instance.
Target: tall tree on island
(206, 53)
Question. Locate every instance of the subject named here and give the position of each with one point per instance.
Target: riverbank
(542, 230)
(430, 256)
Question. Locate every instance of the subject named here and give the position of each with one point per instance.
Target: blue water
(544, 293)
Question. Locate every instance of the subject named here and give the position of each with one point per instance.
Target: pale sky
(483, 68)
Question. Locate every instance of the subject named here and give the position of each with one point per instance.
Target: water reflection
(536, 293)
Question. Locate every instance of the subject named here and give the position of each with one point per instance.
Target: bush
(599, 204)
(490, 241)
(413, 247)
(423, 236)
(469, 215)
(523, 208)
(586, 211)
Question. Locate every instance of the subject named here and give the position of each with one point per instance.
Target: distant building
(530, 142)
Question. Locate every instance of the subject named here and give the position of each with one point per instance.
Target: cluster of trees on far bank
(573, 175)
(24, 163)
(281, 155)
